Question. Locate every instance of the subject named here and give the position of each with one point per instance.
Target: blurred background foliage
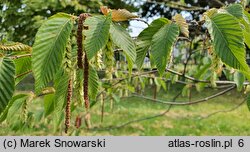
(20, 19)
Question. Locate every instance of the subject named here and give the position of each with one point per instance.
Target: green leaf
(239, 79)
(49, 104)
(49, 48)
(97, 34)
(7, 81)
(161, 83)
(228, 40)
(228, 74)
(15, 109)
(115, 97)
(162, 44)
(244, 18)
(174, 79)
(186, 90)
(235, 10)
(200, 86)
(130, 63)
(4, 114)
(122, 39)
(145, 37)
(201, 71)
(23, 66)
(130, 88)
(248, 102)
(246, 22)
(247, 37)
(38, 115)
(93, 83)
(61, 87)
(156, 82)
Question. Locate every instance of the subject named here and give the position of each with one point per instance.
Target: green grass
(180, 121)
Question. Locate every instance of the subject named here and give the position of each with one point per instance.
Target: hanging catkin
(81, 19)
(86, 82)
(78, 122)
(109, 60)
(85, 91)
(217, 65)
(79, 41)
(68, 68)
(84, 65)
(67, 111)
(98, 60)
(216, 68)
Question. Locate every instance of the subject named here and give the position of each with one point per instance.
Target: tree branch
(165, 112)
(222, 86)
(183, 103)
(187, 77)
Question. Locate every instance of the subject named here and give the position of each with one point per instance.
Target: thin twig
(22, 74)
(177, 6)
(174, 100)
(140, 20)
(184, 38)
(20, 56)
(52, 91)
(223, 111)
(188, 58)
(219, 2)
